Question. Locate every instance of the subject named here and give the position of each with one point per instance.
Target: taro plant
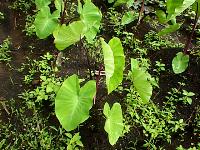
(114, 61)
(47, 23)
(174, 9)
(141, 81)
(72, 103)
(180, 62)
(114, 122)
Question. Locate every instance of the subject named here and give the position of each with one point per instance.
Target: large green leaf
(140, 79)
(91, 16)
(176, 7)
(68, 35)
(42, 3)
(129, 17)
(180, 63)
(114, 122)
(45, 22)
(169, 29)
(114, 61)
(72, 103)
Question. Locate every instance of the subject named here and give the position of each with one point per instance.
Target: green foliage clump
(155, 42)
(2, 17)
(177, 95)
(156, 123)
(30, 27)
(5, 50)
(43, 67)
(22, 5)
(114, 122)
(28, 128)
(43, 75)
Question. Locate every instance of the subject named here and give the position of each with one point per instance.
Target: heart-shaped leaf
(114, 61)
(91, 16)
(72, 103)
(68, 35)
(45, 22)
(141, 82)
(180, 63)
(142, 85)
(129, 17)
(114, 122)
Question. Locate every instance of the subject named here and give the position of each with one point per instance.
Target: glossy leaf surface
(114, 122)
(176, 7)
(140, 79)
(114, 61)
(91, 16)
(180, 63)
(45, 22)
(72, 103)
(68, 35)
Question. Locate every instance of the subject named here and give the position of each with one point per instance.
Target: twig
(187, 46)
(63, 13)
(141, 12)
(98, 77)
(87, 57)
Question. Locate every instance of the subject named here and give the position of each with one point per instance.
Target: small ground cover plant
(5, 50)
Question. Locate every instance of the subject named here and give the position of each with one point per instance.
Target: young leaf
(59, 4)
(114, 122)
(169, 29)
(176, 7)
(68, 35)
(72, 103)
(45, 22)
(120, 2)
(161, 16)
(42, 3)
(142, 85)
(91, 16)
(110, 1)
(114, 61)
(180, 63)
(141, 82)
(129, 17)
